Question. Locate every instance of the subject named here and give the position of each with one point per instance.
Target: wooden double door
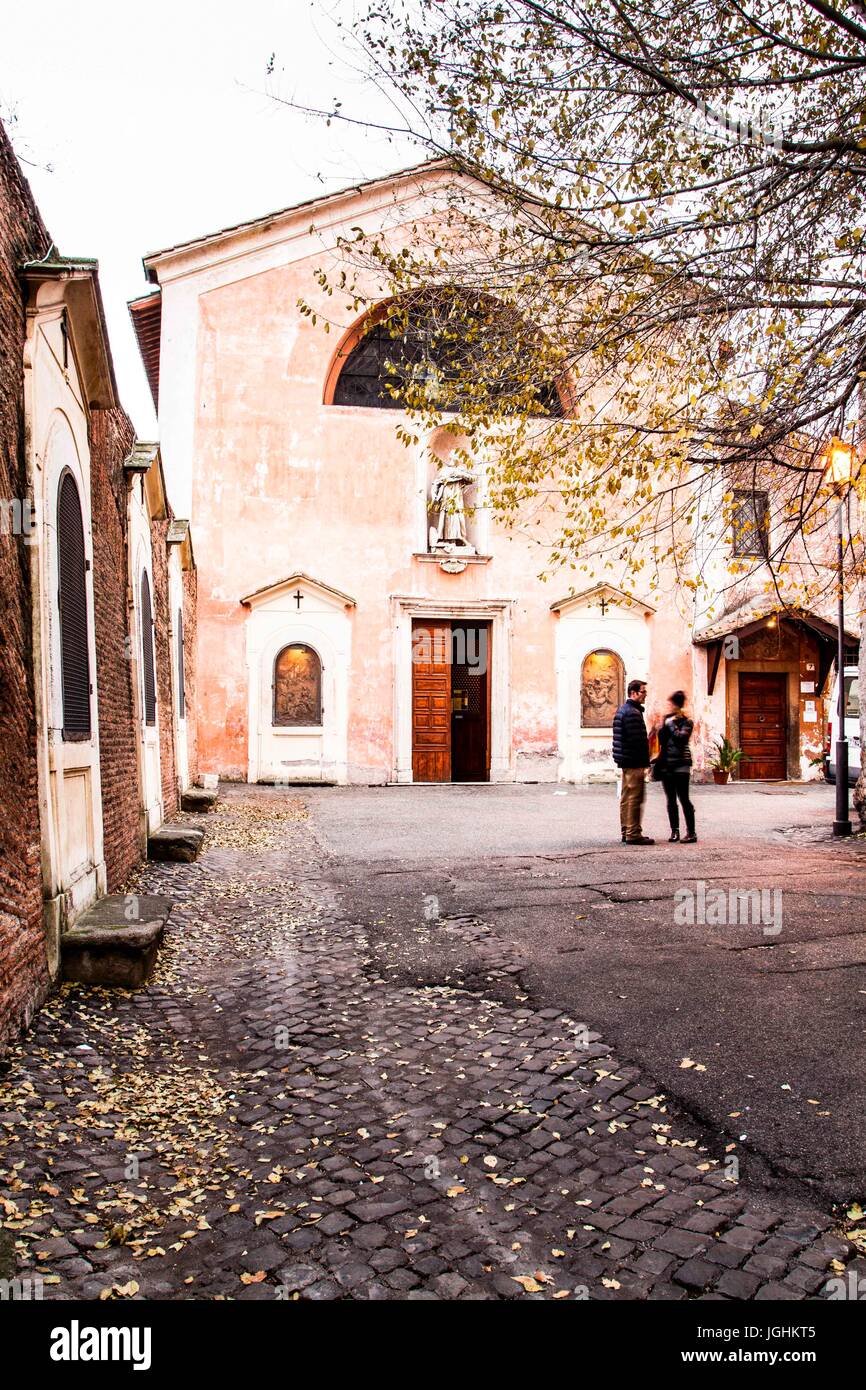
(763, 726)
(450, 702)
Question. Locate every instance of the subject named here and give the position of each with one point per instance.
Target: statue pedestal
(452, 556)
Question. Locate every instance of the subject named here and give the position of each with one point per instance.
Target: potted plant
(724, 760)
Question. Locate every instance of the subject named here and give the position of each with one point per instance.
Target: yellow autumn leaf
(527, 1283)
(119, 1291)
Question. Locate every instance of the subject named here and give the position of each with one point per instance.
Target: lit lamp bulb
(839, 468)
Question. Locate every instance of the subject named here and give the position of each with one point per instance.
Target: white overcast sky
(149, 124)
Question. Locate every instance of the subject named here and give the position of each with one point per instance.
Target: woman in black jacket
(675, 763)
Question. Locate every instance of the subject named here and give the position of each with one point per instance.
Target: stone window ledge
(283, 730)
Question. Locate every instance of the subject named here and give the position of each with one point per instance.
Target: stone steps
(198, 799)
(115, 941)
(180, 843)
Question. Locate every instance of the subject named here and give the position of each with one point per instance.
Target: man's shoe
(690, 839)
(673, 837)
(641, 840)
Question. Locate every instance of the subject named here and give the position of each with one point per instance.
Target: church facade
(362, 614)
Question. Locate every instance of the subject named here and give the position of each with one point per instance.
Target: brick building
(93, 663)
(23, 966)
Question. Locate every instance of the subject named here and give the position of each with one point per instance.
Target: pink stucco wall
(283, 484)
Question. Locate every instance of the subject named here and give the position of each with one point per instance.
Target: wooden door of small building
(470, 702)
(450, 701)
(431, 701)
(763, 726)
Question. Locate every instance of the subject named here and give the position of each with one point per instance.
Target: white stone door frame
(498, 613)
(298, 753)
(581, 629)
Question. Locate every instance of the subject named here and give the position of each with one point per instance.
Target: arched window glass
(602, 689)
(297, 686)
(72, 599)
(427, 351)
(148, 668)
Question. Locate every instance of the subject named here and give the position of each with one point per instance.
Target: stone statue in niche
(446, 498)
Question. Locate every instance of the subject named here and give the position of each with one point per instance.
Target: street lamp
(840, 471)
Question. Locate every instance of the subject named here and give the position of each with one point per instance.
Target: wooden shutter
(431, 702)
(181, 690)
(147, 663)
(72, 602)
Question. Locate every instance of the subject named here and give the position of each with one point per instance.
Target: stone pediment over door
(604, 597)
(284, 593)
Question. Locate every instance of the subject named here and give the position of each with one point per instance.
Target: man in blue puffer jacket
(631, 754)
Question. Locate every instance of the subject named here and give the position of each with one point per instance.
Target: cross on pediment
(297, 596)
(604, 605)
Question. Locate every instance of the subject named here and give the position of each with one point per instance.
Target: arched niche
(602, 688)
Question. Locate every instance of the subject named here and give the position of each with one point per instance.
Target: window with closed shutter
(181, 691)
(147, 662)
(72, 602)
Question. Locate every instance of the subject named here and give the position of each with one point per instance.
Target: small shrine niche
(452, 486)
(602, 689)
(297, 687)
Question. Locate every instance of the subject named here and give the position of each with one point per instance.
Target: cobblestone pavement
(277, 1116)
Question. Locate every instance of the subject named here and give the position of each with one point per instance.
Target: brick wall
(190, 592)
(111, 439)
(164, 682)
(23, 967)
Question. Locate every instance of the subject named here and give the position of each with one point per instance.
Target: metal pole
(842, 823)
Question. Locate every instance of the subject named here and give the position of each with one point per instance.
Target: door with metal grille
(470, 706)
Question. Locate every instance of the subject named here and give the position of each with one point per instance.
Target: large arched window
(72, 600)
(602, 689)
(148, 667)
(430, 355)
(297, 686)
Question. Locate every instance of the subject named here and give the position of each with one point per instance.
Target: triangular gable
(200, 250)
(594, 595)
(297, 580)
